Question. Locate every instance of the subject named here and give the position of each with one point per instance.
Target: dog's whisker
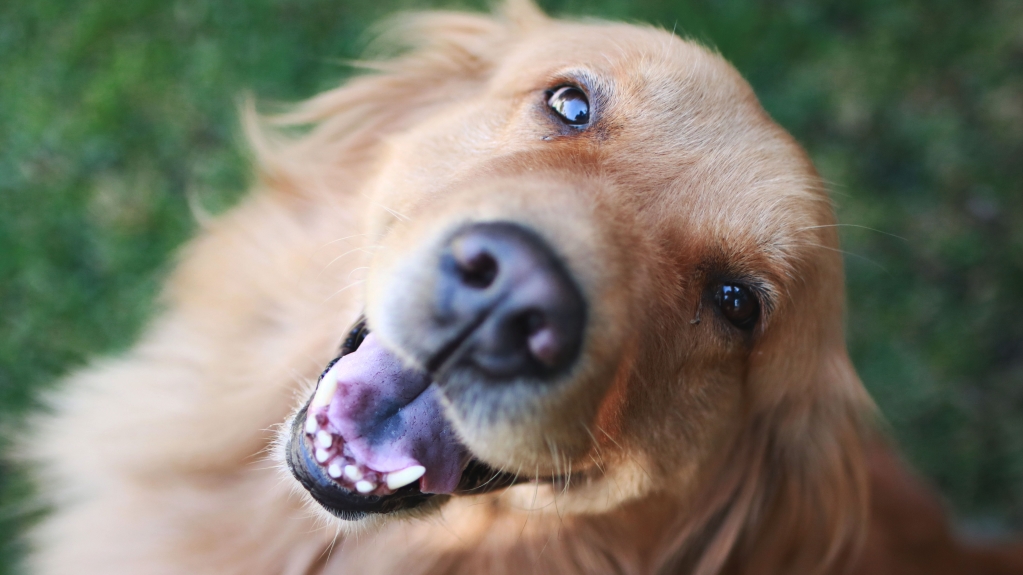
(353, 270)
(363, 249)
(568, 476)
(394, 213)
(857, 226)
(497, 473)
(330, 547)
(532, 506)
(346, 238)
(593, 439)
(536, 487)
(556, 460)
(351, 285)
(837, 250)
(542, 549)
(626, 452)
(515, 480)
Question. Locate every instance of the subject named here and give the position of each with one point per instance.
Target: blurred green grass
(113, 113)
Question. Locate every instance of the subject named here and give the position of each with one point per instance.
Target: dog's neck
(491, 534)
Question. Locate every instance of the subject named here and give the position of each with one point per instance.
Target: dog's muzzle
(373, 438)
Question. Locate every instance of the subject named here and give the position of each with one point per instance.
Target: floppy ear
(807, 485)
(442, 57)
(792, 494)
(803, 505)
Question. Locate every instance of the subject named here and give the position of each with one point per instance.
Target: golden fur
(692, 448)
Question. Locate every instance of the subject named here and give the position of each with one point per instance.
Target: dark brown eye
(571, 104)
(738, 304)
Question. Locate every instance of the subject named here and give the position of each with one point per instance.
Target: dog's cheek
(696, 400)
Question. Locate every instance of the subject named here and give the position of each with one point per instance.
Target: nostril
(532, 328)
(534, 321)
(541, 340)
(506, 305)
(476, 267)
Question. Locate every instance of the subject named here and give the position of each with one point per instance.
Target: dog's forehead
(684, 134)
(638, 65)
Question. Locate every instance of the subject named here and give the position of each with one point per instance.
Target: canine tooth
(364, 486)
(334, 470)
(310, 424)
(322, 455)
(325, 391)
(352, 472)
(402, 478)
(324, 439)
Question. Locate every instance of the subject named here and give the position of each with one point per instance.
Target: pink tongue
(390, 418)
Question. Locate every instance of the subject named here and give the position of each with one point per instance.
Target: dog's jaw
(373, 437)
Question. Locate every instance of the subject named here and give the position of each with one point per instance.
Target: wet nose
(513, 306)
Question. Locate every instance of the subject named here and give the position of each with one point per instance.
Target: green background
(113, 113)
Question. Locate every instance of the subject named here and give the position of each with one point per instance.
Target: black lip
(476, 478)
(339, 501)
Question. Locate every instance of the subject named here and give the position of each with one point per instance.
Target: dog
(532, 296)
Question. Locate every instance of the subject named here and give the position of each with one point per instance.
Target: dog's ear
(807, 485)
(425, 60)
(792, 494)
(803, 505)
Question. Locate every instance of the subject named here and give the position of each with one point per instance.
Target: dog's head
(598, 266)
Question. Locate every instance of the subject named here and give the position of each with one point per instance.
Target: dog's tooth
(364, 486)
(352, 472)
(322, 455)
(324, 439)
(311, 425)
(334, 470)
(398, 479)
(324, 391)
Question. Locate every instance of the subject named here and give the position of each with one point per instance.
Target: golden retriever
(589, 304)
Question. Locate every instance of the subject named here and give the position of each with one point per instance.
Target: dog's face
(599, 266)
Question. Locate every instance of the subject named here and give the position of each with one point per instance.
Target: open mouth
(373, 437)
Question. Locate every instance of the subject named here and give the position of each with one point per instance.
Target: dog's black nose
(513, 307)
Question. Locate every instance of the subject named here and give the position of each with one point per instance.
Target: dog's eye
(738, 305)
(571, 104)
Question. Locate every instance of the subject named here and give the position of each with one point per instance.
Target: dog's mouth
(373, 437)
